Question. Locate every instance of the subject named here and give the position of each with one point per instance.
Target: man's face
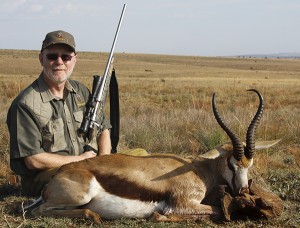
(58, 62)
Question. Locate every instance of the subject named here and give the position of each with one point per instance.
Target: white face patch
(237, 176)
(241, 178)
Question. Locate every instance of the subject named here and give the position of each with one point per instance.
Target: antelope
(165, 187)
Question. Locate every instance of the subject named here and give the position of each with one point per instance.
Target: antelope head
(241, 158)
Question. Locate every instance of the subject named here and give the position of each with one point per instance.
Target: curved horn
(238, 149)
(250, 137)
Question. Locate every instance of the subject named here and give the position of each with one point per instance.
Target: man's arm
(48, 160)
(104, 143)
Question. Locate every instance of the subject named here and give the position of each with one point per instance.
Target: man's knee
(33, 185)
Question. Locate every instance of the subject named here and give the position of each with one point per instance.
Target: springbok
(162, 186)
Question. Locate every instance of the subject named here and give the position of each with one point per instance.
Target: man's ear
(75, 59)
(41, 58)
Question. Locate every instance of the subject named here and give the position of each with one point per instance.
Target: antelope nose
(244, 190)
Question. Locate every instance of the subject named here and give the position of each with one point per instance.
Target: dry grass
(166, 108)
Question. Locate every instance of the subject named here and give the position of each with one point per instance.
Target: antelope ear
(220, 151)
(266, 144)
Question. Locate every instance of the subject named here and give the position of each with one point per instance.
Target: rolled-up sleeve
(26, 138)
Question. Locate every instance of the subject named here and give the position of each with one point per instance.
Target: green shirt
(40, 122)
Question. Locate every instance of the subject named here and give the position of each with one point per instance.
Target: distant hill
(278, 55)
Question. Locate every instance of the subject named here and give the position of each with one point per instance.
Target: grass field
(166, 108)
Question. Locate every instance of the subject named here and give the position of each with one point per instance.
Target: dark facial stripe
(233, 171)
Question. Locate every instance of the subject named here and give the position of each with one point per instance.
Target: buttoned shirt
(40, 122)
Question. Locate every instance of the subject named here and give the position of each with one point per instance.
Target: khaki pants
(33, 185)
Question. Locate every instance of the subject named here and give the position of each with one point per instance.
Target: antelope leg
(207, 212)
(72, 213)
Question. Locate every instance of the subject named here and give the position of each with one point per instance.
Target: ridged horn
(250, 137)
(238, 149)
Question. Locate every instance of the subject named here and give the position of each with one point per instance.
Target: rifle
(94, 113)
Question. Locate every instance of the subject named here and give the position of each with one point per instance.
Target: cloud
(169, 26)
(66, 7)
(35, 8)
(11, 5)
(53, 7)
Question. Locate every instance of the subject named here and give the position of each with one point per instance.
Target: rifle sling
(114, 111)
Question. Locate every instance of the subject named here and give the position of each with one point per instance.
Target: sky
(173, 27)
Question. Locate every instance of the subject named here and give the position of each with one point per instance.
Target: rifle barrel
(111, 52)
(98, 88)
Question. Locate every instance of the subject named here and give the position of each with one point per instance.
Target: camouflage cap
(58, 37)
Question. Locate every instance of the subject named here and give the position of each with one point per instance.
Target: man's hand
(88, 154)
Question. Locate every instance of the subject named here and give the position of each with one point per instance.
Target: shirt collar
(45, 91)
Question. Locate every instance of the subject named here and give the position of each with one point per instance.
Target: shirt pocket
(54, 136)
(78, 117)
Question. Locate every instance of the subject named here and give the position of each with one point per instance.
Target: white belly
(110, 206)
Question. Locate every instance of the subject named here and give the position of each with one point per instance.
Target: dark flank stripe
(130, 190)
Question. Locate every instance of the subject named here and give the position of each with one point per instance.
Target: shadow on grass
(9, 190)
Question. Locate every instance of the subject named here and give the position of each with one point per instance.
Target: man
(44, 119)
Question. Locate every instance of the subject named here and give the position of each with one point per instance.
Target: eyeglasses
(54, 57)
